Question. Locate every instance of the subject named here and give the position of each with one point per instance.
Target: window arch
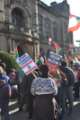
(18, 17)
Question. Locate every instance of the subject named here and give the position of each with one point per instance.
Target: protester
(77, 84)
(13, 77)
(5, 92)
(23, 95)
(27, 97)
(29, 79)
(13, 81)
(43, 89)
(20, 76)
(3, 65)
(67, 82)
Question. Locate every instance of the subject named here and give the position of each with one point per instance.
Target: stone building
(30, 23)
(53, 22)
(17, 25)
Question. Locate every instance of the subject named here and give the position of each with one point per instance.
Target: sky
(74, 9)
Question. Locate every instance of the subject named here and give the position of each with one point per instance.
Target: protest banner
(54, 58)
(26, 63)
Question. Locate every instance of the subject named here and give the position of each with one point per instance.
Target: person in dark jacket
(4, 95)
(27, 97)
(14, 82)
(43, 89)
(77, 84)
(67, 82)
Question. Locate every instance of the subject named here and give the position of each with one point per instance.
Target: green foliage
(9, 60)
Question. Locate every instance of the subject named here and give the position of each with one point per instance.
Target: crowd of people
(38, 91)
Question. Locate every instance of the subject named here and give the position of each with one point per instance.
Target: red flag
(55, 45)
(74, 23)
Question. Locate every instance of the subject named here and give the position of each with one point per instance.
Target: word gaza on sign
(26, 63)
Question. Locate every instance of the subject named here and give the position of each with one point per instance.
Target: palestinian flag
(19, 51)
(74, 23)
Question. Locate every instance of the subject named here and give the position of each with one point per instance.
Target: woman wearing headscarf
(43, 89)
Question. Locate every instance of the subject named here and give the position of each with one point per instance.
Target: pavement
(15, 115)
(75, 114)
(20, 116)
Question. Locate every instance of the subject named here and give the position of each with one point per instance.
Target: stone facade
(24, 21)
(16, 25)
(53, 22)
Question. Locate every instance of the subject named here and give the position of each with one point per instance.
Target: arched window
(18, 18)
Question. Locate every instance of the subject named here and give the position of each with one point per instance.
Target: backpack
(70, 76)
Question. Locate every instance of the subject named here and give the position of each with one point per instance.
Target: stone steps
(13, 106)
